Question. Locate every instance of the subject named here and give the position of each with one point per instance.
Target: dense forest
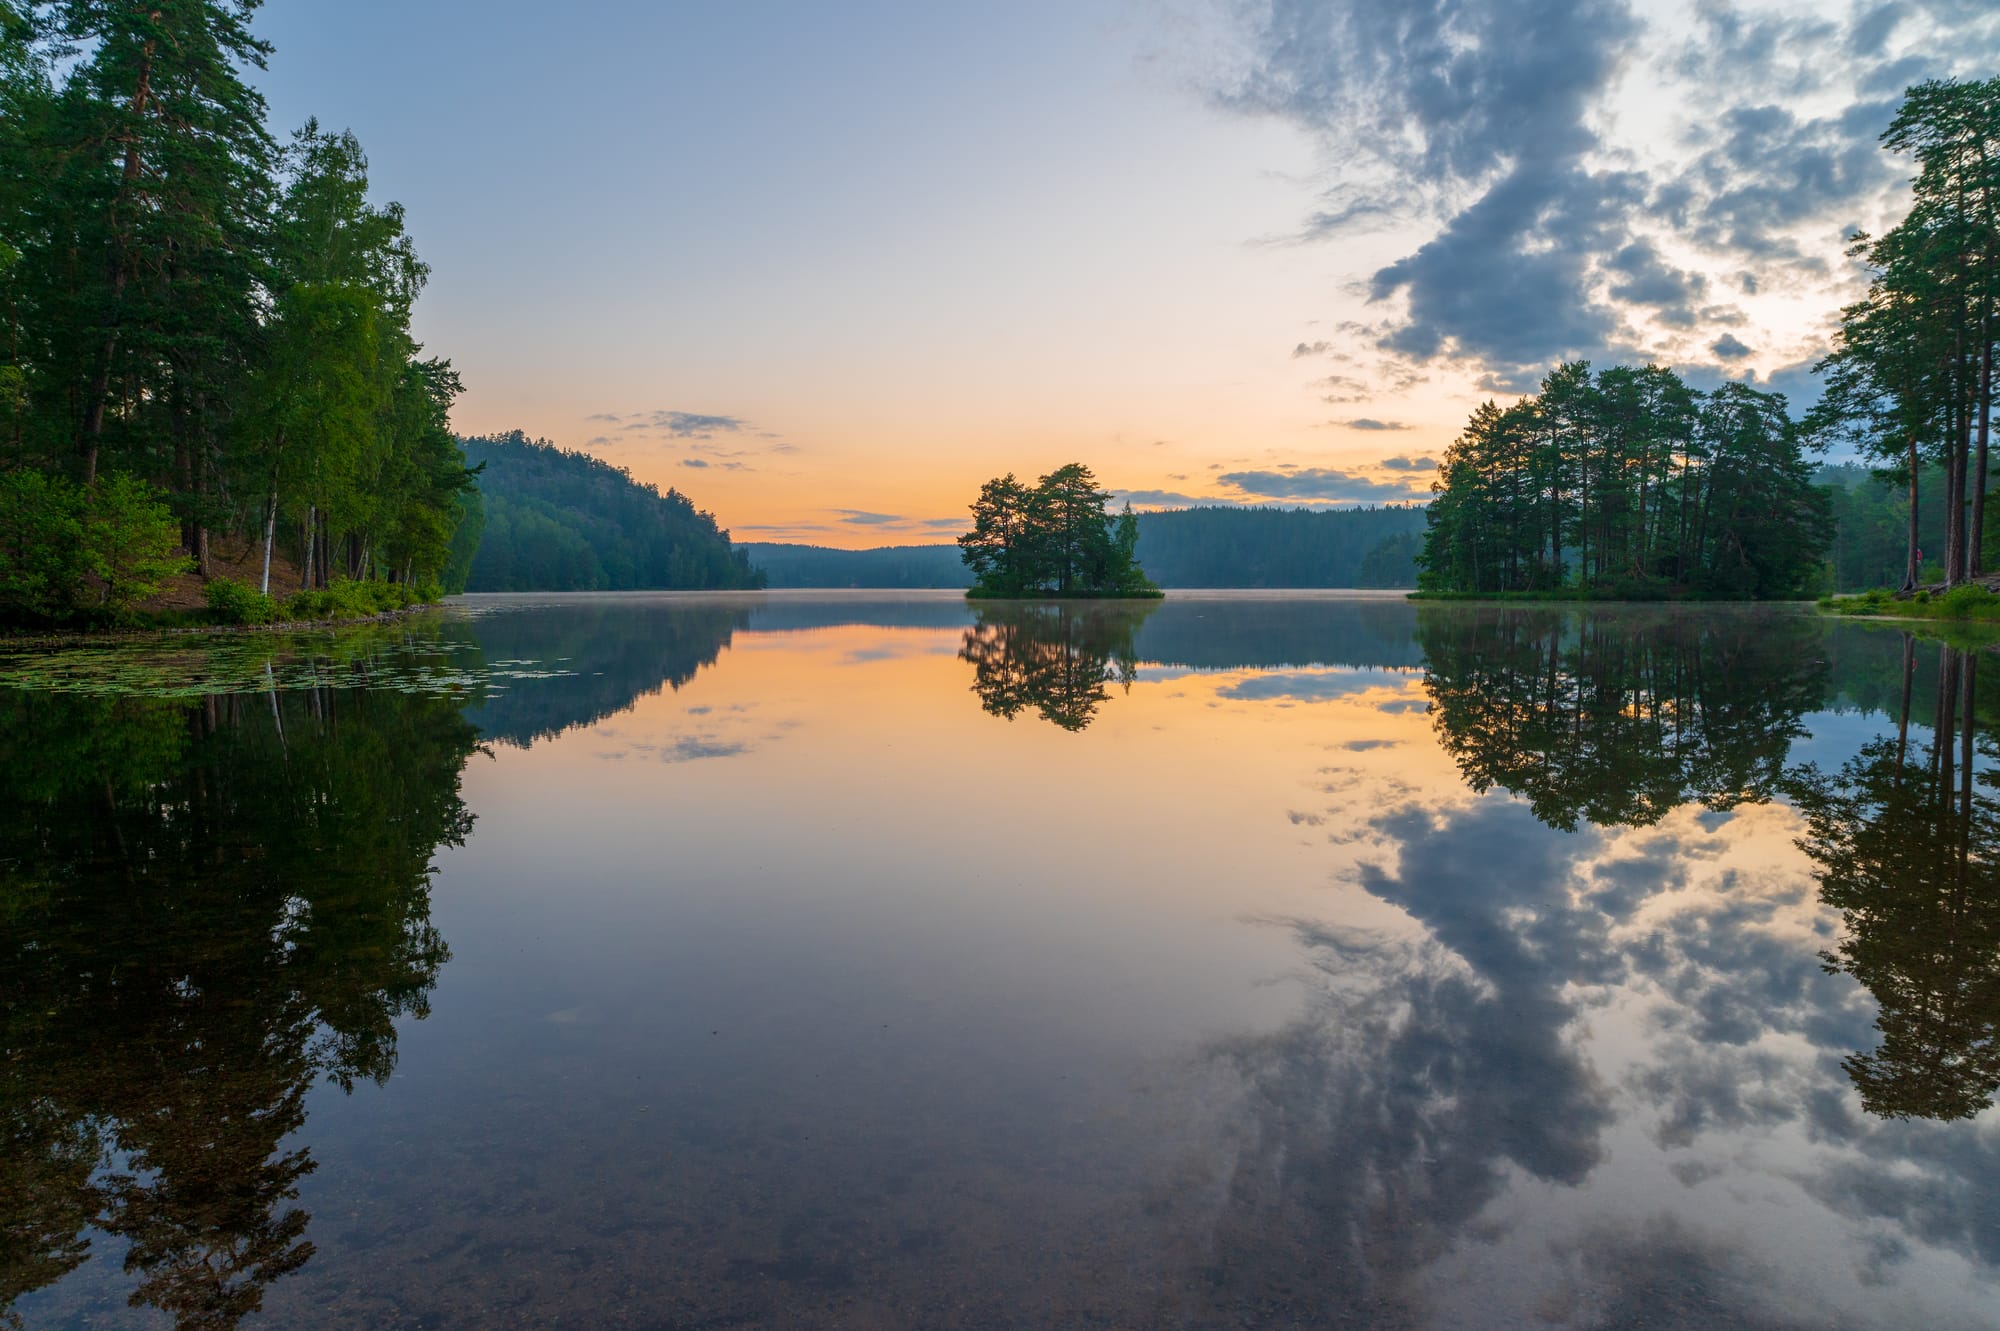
(204, 332)
(1871, 521)
(1628, 482)
(1631, 482)
(554, 520)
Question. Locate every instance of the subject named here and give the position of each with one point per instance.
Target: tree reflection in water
(1906, 842)
(1616, 720)
(1620, 719)
(204, 908)
(1056, 657)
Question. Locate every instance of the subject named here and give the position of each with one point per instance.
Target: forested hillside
(556, 520)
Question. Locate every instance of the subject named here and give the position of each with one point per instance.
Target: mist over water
(788, 960)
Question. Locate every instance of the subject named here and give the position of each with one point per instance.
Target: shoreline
(74, 637)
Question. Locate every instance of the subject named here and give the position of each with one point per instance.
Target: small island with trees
(1056, 538)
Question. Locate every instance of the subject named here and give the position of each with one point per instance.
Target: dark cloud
(862, 518)
(1497, 102)
(1410, 464)
(1158, 498)
(1370, 423)
(1729, 347)
(1769, 171)
(1641, 277)
(1304, 349)
(678, 424)
(693, 462)
(1509, 281)
(1313, 483)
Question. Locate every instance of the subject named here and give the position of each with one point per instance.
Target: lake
(878, 961)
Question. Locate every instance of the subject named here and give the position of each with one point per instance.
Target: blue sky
(808, 262)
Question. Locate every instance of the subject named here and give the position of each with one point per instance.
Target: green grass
(1967, 604)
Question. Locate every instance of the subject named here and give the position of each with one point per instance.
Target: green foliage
(131, 541)
(233, 603)
(41, 545)
(1909, 383)
(1054, 539)
(1871, 523)
(184, 305)
(1627, 483)
(556, 520)
(345, 598)
(1966, 602)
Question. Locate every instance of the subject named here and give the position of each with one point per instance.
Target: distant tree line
(1055, 537)
(1268, 547)
(550, 519)
(785, 565)
(1191, 547)
(1910, 380)
(203, 332)
(1629, 481)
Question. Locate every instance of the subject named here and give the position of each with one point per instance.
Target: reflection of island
(1054, 658)
(1620, 718)
(1906, 839)
(204, 908)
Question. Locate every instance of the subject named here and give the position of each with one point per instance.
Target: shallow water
(873, 961)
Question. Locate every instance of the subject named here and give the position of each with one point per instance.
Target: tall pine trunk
(1979, 467)
(100, 383)
(1915, 569)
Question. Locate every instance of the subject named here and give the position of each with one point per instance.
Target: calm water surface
(875, 962)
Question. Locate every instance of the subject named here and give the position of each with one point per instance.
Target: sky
(826, 269)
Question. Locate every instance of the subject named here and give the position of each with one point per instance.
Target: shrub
(131, 541)
(358, 600)
(41, 539)
(1969, 602)
(234, 603)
